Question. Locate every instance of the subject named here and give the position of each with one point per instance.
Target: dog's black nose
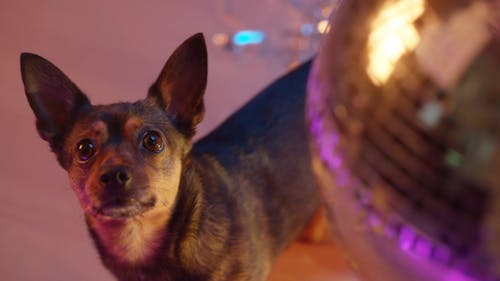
(116, 176)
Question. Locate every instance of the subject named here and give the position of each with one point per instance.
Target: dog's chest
(134, 242)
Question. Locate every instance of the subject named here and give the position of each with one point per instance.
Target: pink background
(113, 50)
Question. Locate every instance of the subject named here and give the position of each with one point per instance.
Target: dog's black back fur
(264, 145)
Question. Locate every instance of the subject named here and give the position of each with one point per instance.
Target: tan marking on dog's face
(132, 125)
(100, 131)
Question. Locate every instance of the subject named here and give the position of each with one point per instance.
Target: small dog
(160, 208)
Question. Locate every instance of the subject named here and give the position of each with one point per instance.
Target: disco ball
(403, 109)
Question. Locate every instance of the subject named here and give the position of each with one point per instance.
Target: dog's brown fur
(159, 208)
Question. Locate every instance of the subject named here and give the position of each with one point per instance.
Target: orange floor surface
(311, 262)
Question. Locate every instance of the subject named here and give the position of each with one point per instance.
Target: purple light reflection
(455, 275)
(336, 162)
(328, 143)
(391, 230)
(374, 220)
(406, 238)
(442, 254)
(325, 134)
(423, 247)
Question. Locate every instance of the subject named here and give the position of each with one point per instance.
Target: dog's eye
(152, 141)
(86, 149)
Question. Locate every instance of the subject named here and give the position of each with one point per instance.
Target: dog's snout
(119, 176)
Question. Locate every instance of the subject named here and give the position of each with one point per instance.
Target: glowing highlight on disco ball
(393, 34)
(248, 37)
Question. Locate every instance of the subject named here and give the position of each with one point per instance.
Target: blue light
(307, 29)
(248, 37)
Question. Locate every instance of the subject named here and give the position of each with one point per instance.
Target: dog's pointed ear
(181, 84)
(54, 99)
